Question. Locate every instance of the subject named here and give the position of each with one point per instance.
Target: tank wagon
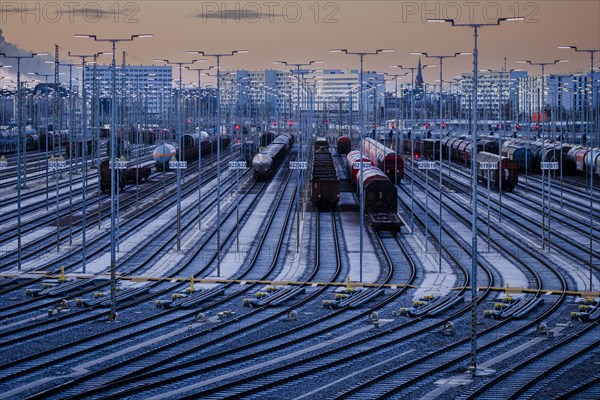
(193, 144)
(266, 162)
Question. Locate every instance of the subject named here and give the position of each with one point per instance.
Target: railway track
(234, 295)
(520, 214)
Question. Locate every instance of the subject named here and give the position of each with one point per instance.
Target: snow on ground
(579, 275)
(433, 280)
(296, 262)
(63, 201)
(162, 266)
(232, 259)
(371, 266)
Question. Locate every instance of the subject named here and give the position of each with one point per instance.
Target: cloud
(35, 64)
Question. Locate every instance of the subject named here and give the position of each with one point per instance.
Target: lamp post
(361, 55)
(84, 136)
(46, 128)
(112, 316)
(179, 117)
(412, 139)
(217, 57)
(19, 134)
(441, 60)
(199, 71)
(299, 183)
(590, 131)
(396, 116)
(475, 27)
(541, 104)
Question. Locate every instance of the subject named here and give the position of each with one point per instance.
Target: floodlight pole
(441, 60)
(19, 134)
(112, 316)
(361, 56)
(475, 27)
(589, 136)
(217, 57)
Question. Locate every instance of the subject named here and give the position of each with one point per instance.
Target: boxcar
(489, 145)
(507, 170)
(134, 173)
(343, 145)
(321, 142)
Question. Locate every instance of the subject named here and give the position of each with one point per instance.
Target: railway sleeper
(353, 299)
(433, 308)
(196, 298)
(103, 301)
(66, 287)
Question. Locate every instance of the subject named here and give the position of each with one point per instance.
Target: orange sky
(299, 31)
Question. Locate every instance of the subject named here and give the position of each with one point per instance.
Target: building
(272, 92)
(334, 86)
(261, 92)
(498, 94)
(570, 94)
(146, 82)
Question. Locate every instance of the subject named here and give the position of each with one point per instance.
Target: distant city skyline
(300, 31)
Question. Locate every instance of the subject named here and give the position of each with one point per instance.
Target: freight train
(384, 158)
(135, 172)
(266, 162)
(528, 155)
(343, 145)
(505, 175)
(76, 146)
(380, 194)
(324, 180)
(8, 140)
(193, 144)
